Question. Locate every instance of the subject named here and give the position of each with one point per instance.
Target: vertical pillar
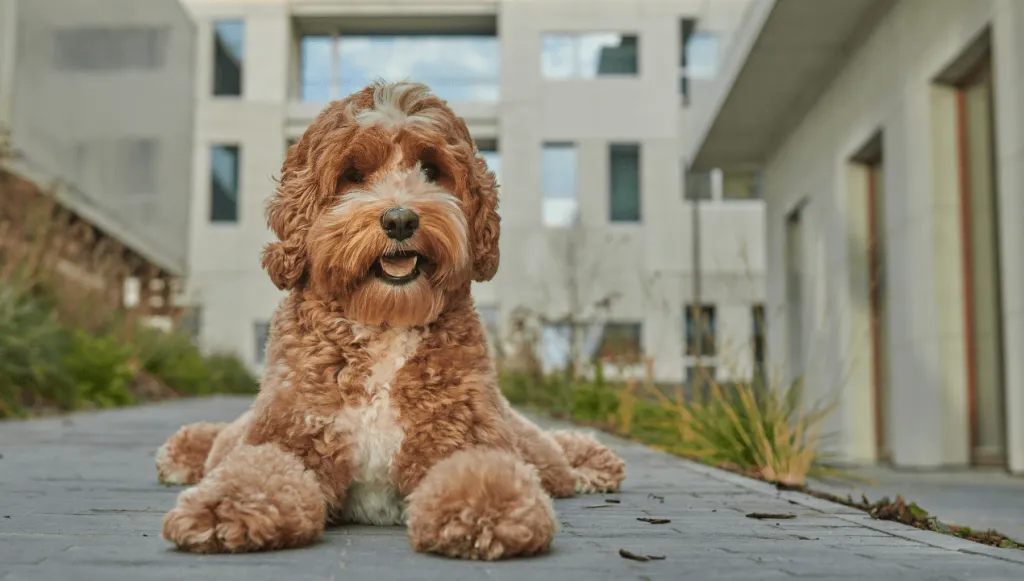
(1008, 44)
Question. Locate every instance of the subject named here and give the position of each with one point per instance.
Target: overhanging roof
(785, 54)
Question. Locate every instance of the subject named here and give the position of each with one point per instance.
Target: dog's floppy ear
(485, 223)
(285, 260)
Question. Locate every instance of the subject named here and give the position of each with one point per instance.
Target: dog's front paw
(481, 504)
(596, 467)
(261, 498)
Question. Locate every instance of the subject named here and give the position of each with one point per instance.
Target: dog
(379, 402)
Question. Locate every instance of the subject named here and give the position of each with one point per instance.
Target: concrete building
(891, 137)
(96, 108)
(579, 106)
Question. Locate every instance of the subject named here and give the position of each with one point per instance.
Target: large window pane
(624, 183)
(559, 166)
(315, 68)
(455, 67)
(229, 53)
(224, 183)
(590, 55)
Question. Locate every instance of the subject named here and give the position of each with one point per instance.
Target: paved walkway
(79, 501)
(980, 499)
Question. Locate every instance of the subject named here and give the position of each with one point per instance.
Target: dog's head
(384, 207)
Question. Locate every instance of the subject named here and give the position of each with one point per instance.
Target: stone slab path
(79, 501)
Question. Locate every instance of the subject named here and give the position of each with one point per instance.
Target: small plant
(101, 370)
(751, 426)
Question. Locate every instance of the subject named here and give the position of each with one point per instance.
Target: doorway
(979, 217)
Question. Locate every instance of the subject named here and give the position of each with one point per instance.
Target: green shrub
(229, 375)
(32, 344)
(177, 362)
(101, 370)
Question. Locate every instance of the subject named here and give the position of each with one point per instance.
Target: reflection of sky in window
(702, 56)
(224, 167)
(558, 182)
(554, 347)
(316, 68)
(566, 56)
(457, 68)
(232, 35)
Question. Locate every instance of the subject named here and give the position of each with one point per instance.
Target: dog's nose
(399, 223)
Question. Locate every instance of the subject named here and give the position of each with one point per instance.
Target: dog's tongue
(398, 266)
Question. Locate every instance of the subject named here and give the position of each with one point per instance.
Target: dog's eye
(431, 171)
(352, 176)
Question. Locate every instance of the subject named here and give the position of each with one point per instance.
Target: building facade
(96, 113)
(578, 106)
(892, 155)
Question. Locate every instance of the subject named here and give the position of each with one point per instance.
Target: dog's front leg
(483, 504)
(259, 498)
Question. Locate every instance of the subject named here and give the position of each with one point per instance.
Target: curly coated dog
(379, 403)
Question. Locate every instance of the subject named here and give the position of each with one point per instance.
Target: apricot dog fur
(379, 403)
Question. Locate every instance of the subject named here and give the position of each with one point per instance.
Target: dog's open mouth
(398, 268)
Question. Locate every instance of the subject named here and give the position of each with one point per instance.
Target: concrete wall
(887, 86)
(649, 263)
(109, 117)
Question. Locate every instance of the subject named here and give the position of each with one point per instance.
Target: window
(457, 67)
(698, 56)
(559, 165)
(100, 48)
(556, 343)
(698, 185)
(228, 56)
(741, 185)
(624, 182)
(224, 160)
(261, 332)
(621, 342)
(760, 335)
(585, 56)
(701, 330)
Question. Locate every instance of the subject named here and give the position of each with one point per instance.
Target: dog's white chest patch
(371, 498)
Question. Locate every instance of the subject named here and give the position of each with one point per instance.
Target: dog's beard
(379, 281)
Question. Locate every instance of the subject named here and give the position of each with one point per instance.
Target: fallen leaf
(770, 516)
(654, 521)
(632, 556)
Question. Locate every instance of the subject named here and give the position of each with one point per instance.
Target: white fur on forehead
(392, 103)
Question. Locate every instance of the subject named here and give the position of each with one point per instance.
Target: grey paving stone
(84, 504)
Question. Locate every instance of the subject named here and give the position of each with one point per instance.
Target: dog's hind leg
(181, 459)
(597, 467)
